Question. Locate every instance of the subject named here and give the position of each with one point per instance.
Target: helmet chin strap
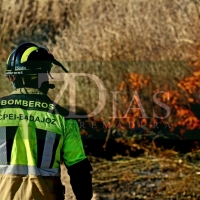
(16, 82)
(14, 85)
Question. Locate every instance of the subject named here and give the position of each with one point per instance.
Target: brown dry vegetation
(104, 30)
(164, 176)
(109, 39)
(131, 45)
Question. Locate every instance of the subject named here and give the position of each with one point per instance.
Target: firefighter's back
(31, 137)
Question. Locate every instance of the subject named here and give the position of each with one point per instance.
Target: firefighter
(36, 135)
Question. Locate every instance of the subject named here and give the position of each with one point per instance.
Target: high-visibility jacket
(35, 138)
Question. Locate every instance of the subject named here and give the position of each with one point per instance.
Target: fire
(182, 116)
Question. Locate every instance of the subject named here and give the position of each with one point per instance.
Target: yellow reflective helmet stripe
(26, 54)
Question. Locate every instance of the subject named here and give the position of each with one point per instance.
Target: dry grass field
(94, 30)
(108, 39)
(130, 45)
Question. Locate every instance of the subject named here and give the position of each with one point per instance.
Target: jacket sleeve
(81, 180)
(79, 168)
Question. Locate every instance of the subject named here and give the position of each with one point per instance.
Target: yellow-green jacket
(35, 138)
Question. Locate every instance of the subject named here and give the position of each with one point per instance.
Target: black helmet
(29, 59)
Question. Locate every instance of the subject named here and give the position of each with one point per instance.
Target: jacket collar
(26, 90)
